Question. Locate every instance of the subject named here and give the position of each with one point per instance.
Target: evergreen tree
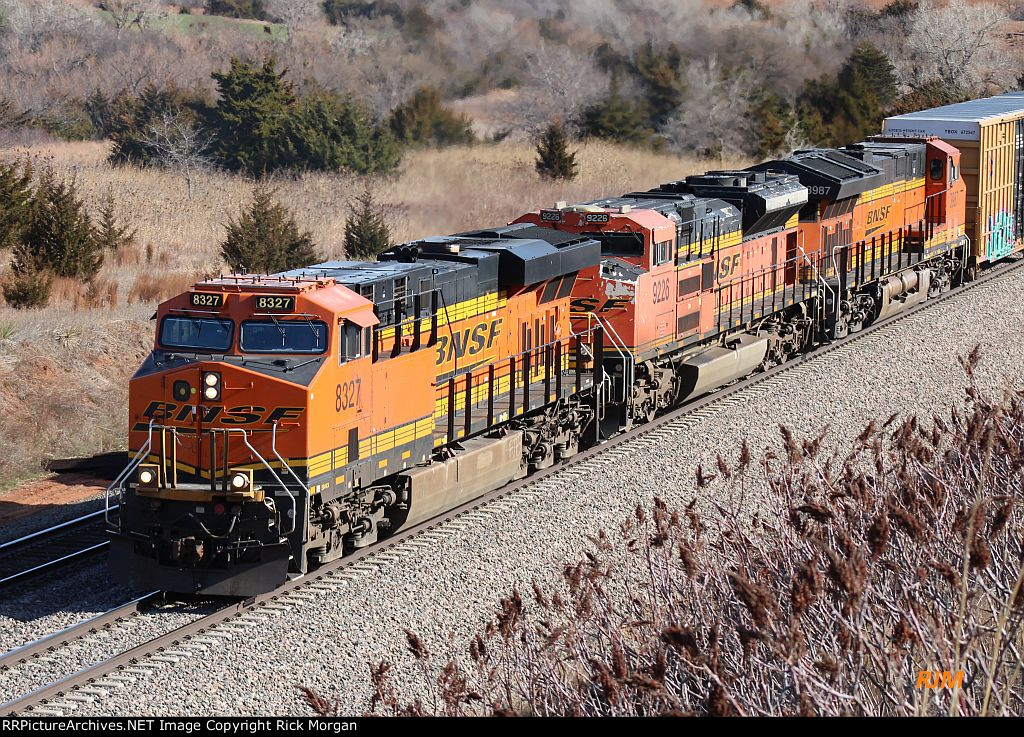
(366, 232)
(15, 201)
(28, 287)
(853, 105)
(130, 120)
(616, 119)
(774, 120)
(554, 160)
(252, 9)
(110, 234)
(265, 238)
(424, 120)
(874, 67)
(59, 236)
(250, 118)
(660, 73)
(328, 133)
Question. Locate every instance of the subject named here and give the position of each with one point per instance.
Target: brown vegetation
(906, 555)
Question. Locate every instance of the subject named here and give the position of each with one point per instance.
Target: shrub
(342, 12)
(616, 118)
(554, 160)
(110, 234)
(860, 572)
(328, 133)
(252, 9)
(15, 200)
(265, 238)
(424, 120)
(366, 231)
(59, 236)
(28, 287)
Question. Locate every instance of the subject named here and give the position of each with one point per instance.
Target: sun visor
(363, 318)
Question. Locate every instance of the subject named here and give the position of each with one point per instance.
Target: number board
(551, 216)
(205, 299)
(596, 217)
(268, 303)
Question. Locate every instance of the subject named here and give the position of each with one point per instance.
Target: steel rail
(182, 634)
(60, 536)
(39, 535)
(76, 631)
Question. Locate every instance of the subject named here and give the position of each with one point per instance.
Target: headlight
(240, 480)
(148, 476)
(211, 384)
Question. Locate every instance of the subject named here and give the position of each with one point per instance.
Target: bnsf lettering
(588, 304)
(877, 216)
(244, 415)
(468, 342)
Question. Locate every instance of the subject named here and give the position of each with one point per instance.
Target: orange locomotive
(283, 420)
(704, 280)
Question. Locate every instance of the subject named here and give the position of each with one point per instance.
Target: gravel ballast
(445, 585)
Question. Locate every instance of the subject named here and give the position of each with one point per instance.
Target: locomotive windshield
(619, 244)
(284, 336)
(197, 333)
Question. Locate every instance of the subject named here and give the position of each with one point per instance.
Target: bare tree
(180, 146)
(714, 119)
(293, 14)
(128, 13)
(957, 45)
(561, 82)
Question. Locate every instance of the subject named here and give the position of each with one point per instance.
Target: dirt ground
(41, 495)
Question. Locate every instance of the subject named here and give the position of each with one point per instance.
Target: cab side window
(662, 252)
(355, 342)
(936, 169)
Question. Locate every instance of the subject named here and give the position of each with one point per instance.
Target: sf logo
(728, 266)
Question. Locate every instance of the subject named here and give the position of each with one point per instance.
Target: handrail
(284, 463)
(620, 347)
(118, 482)
(245, 439)
(121, 477)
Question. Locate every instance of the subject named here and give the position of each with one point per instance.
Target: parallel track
(47, 550)
(179, 639)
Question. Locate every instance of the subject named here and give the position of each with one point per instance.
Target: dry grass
(436, 192)
(68, 397)
(862, 571)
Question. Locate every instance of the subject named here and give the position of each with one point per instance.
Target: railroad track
(193, 639)
(47, 550)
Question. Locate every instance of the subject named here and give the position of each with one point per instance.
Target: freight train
(284, 420)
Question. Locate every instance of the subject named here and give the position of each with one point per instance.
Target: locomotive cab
(222, 483)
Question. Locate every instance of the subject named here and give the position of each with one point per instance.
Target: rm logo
(940, 679)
